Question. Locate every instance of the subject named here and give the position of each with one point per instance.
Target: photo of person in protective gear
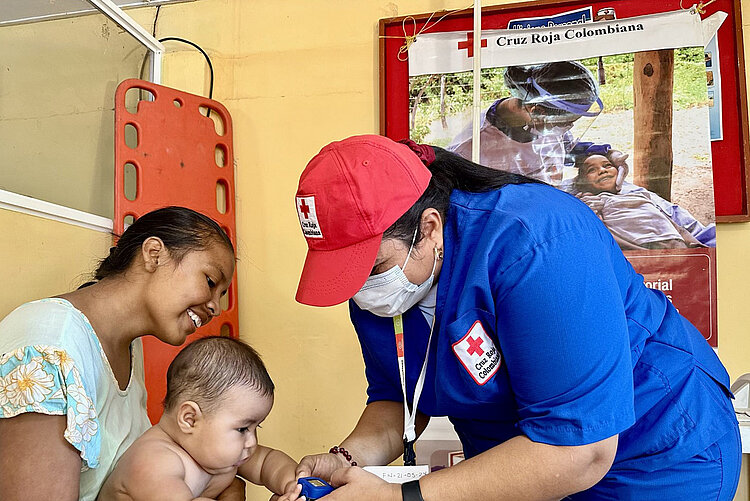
(528, 133)
(636, 217)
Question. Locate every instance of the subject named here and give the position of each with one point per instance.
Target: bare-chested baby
(218, 393)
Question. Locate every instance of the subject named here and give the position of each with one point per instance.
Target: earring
(438, 254)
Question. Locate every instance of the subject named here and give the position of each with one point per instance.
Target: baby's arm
(160, 475)
(270, 468)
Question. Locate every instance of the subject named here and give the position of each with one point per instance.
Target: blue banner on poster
(578, 16)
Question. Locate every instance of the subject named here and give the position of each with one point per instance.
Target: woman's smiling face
(599, 174)
(185, 294)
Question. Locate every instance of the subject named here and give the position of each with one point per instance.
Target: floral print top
(51, 362)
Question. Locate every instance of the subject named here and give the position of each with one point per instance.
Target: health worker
(506, 305)
(529, 132)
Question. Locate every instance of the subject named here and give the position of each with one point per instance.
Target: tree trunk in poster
(653, 79)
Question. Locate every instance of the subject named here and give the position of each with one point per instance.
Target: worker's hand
(355, 483)
(235, 492)
(320, 465)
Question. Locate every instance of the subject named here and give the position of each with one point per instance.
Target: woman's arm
(516, 470)
(36, 462)
(376, 440)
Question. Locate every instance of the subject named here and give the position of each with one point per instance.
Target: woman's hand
(320, 465)
(355, 483)
(235, 492)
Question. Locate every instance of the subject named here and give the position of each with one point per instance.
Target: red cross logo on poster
(469, 44)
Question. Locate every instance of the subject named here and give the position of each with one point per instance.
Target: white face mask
(390, 293)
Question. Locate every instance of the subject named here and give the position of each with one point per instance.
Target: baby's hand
(292, 492)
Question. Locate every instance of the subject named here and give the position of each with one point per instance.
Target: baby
(218, 393)
(637, 219)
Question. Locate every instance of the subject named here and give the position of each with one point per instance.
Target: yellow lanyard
(410, 434)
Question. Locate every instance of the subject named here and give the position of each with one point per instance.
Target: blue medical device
(314, 488)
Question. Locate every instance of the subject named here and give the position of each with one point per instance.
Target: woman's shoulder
(47, 322)
(43, 312)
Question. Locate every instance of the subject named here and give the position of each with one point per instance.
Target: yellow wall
(295, 75)
(43, 258)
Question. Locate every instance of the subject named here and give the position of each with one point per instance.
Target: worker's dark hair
(181, 229)
(450, 172)
(207, 368)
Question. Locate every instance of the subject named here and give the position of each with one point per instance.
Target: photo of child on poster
(635, 149)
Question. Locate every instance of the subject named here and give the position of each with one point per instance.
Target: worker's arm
(376, 440)
(517, 470)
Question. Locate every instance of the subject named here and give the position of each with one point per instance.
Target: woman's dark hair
(450, 172)
(565, 80)
(181, 229)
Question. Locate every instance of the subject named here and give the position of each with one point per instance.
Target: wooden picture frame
(730, 155)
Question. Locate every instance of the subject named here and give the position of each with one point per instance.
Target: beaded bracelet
(340, 450)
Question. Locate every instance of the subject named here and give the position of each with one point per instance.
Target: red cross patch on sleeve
(478, 354)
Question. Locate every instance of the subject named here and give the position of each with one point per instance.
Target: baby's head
(218, 392)
(596, 174)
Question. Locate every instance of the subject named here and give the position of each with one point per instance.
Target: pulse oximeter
(314, 488)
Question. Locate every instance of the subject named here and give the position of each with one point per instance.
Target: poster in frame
(686, 277)
(730, 154)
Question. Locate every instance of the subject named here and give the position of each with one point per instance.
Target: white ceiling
(27, 11)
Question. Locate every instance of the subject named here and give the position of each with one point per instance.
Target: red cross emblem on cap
(308, 217)
(304, 208)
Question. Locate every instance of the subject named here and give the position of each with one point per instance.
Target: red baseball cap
(348, 195)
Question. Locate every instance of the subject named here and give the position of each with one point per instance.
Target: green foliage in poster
(437, 97)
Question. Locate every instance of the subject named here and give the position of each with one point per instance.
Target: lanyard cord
(410, 418)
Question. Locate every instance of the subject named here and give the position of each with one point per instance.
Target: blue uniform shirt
(544, 329)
